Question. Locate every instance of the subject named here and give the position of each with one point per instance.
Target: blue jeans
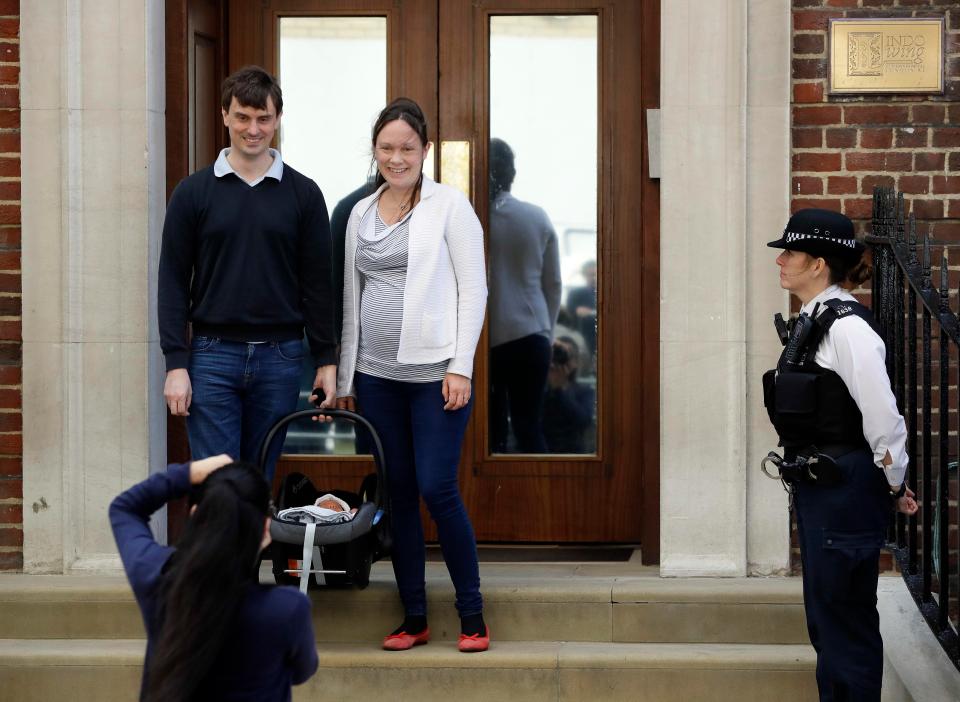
(239, 391)
(422, 442)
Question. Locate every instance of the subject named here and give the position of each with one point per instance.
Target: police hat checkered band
(797, 236)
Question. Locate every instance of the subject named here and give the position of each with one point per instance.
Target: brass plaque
(886, 55)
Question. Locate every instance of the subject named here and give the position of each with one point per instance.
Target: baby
(334, 504)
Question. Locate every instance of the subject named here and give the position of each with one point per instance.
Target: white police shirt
(854, 352)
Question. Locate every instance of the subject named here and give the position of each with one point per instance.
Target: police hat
(820, 233)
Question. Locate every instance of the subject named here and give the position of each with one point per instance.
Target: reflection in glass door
(542, 165)
(334, 76)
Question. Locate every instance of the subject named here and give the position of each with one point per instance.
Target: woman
(844, 449)
(213, 632)
(414, 297)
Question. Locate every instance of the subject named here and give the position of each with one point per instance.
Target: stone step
(522, 603)
(108, 670)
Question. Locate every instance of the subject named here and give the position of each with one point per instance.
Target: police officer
(844, 448)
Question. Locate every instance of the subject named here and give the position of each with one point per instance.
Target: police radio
(803, 329)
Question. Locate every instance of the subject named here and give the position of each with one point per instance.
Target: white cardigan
(445, 296)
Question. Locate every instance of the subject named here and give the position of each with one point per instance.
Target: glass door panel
(333, 71)
(542, 168)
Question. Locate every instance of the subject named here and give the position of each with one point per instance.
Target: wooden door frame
(416, 18)
(253, 48)
(415, 79)
(178, 65)
(462, 117)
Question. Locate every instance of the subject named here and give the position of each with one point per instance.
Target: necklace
(401, 207)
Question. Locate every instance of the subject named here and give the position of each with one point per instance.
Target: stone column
(768, 205)
(724, 182)
(93, 200)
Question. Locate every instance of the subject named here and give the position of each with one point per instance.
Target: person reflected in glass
(582, 306)
(568, 404)
(525, 292)
(414, 297)
(363, 444)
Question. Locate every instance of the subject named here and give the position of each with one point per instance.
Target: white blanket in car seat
(311, 514)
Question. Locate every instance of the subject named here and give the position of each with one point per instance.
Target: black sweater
(246, 264)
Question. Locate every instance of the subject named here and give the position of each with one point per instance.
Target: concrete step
(106, 670)
(523, 602)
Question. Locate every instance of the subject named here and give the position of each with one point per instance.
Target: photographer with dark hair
(213, 632)
(567, 404)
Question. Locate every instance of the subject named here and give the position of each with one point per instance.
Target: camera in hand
(560, 355)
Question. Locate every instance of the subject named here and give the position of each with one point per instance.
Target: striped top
(381, 260)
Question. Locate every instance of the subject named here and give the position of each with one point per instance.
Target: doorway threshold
(549, 553)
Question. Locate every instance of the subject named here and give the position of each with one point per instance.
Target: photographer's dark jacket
(853, 351)
(271, 645)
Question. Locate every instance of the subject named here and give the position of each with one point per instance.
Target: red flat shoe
(474, 643)
(404, 641)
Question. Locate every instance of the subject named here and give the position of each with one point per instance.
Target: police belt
(809, 465)
(790, 453)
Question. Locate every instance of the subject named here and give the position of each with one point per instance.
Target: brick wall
(843, 146)
(11, 444)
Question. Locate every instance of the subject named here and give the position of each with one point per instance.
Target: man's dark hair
(251, 85)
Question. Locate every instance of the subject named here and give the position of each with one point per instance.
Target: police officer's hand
(908, 503)
(178, 392)
(456, 391)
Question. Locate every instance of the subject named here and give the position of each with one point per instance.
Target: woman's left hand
(456, 391)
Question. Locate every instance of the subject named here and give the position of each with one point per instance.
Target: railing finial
(944, 282)
(927, 280)
(898, 229)
(912, 238)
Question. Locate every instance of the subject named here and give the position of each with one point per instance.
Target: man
(246, 260)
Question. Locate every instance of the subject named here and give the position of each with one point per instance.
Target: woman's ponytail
(860, 273)
(849, 272)
(207, 579)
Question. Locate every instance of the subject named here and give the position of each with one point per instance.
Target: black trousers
(842, 529)
(518, 378)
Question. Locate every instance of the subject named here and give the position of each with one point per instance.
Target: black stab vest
(811, 405)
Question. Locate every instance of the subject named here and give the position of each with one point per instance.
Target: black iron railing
(905, 299)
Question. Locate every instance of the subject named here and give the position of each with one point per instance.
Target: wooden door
(195, 63)
(440, 53)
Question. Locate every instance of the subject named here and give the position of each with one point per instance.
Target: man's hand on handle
(325, 381)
